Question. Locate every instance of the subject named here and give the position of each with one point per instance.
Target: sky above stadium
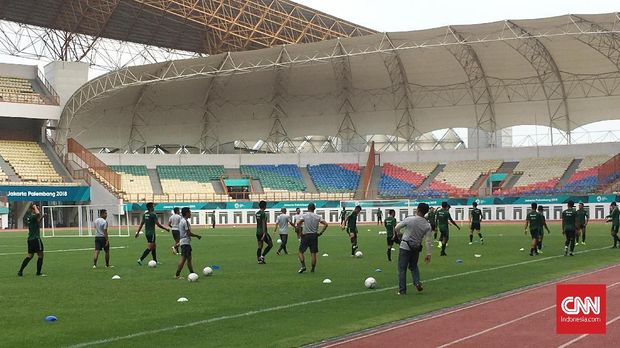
(404, 15)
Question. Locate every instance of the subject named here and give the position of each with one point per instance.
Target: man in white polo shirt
(173, 222)
(417, 230)
(101, 238)
(310, 236)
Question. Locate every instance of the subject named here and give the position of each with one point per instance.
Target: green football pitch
(244, 303)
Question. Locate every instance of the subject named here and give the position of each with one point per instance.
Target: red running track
(521, 319)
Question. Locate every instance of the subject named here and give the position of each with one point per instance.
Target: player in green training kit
(262, 235)
(350, 224)
(149, 220)
(32, 219)
(569, 218)
(582, 221)
(475, 215)
(432, 220)
(614, 217)
(443, 220)
(390, 223)
(541, 210)
(534, 221)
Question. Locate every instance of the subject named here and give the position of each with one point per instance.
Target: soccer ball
(207, 271)
(192, 277)
(279, 241)
(358, 254)
(370, 283)
(152, 264)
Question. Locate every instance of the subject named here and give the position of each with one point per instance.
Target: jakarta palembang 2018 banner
(46, 193)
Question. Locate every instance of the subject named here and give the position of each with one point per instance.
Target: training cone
(327, 281)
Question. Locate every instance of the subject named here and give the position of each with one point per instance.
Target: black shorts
(186, 251)
(35, 245)
(352, 230)
(176, 235)
(444, 234)
(392, 240)
(535, 234)
(475, 226)
(309, 240)
(150, 238)
(579, 227)
(263, 237)
(570, 233)
(100, 244)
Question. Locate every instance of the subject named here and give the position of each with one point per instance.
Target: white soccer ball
(152, 264)
(207, 271)
(279, 241)
(370, 283)
(359, 254)
(192, 277)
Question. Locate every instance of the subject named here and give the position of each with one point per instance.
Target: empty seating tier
(539, 175)
(457, 178)
(18, 90)
(181, 183)
(335, 177)
(585, 177)
(29, 161)
(285, 177)
(134, 181)
(402, 179)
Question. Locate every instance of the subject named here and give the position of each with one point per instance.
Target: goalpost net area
(78, 220)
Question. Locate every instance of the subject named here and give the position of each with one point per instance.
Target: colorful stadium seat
(402, 179)
(193, 182)
(335, 177)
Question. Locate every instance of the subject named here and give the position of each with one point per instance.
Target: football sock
(480, 235)
(313, 267)
(572, 245)
(39, 265)
(531, 251)
(471, 238)
(154, 254)
(389, 254)
(443, 247)
(435, 236)
(284, 248)
(539, 244)
(267, 250)
(583, 236)
(24, 264)
(303, 264)
(145, 254)
(258, 252)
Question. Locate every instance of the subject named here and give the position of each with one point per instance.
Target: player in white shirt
(186, 235)
(173, 222)
(295, 220)
(310, 237)
(281, 226)
(101, 238)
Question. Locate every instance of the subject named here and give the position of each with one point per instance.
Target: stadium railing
(94, 165)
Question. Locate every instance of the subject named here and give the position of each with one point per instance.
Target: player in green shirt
(343, 216)
(614, 217)
(534, 221)
(432, 220)
(262, 235)
(569, 218)
(149, 221)
(582, 221)
(33, 219)
(350, 224)
(443, 221)
(475, 215)
(543, 220)
(390, 223)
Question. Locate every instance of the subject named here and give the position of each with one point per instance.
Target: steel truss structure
(112, 34)
(545, 82)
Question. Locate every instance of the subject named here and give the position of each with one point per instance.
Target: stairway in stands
(431, 177)
(155, 182)
(569, 172)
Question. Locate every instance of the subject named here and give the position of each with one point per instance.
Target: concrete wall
(18, 70)
(41, 112)
(442, 156)
(66, 78)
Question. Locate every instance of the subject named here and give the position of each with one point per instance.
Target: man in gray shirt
(101, 238)
(185, 232)
(282, 223)
(417, 230)
(173, 222)
(310, 236)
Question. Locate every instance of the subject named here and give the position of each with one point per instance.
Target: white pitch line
(63, 251)
(299, 304)
(584, 335)
(511, 322)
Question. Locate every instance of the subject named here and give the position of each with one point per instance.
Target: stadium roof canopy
(561, 72)
(200, 26)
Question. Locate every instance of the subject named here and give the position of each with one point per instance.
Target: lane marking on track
(512, 294)
(63, 250)
(508, 323)
(584, 335)
(299, 304)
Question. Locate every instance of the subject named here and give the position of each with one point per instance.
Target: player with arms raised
(33, 219)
